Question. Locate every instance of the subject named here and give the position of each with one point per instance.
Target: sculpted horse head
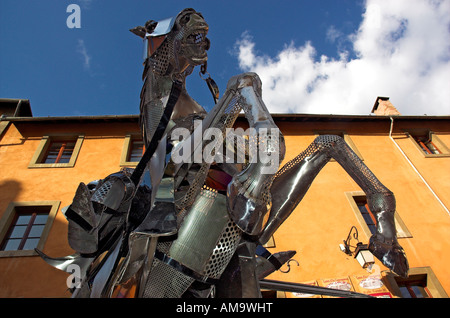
(175, 43)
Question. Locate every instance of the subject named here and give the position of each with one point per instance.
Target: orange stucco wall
(315, 229)
(324, 217)
(99, 156)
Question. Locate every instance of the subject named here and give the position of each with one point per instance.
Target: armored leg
(240, 279)
(293, 180)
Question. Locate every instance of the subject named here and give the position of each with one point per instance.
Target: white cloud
(81, 48)
(402, 50)
(333, 34)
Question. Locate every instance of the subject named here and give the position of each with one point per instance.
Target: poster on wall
(342, 283)
(371, 285)
(304, 295)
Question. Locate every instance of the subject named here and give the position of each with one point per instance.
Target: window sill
(440, 155)
(51, 165)
(18, 253)
(129, 164)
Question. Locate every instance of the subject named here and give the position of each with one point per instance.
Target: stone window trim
(402, 229)
(39, 155)
(432, 283)
(445, 151)
(127, 144)
(8, 217)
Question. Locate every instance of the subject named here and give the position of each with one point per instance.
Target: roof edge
(287, 116)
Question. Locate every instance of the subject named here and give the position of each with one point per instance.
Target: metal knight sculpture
(195, 228)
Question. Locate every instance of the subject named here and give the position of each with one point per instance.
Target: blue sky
(327, 56)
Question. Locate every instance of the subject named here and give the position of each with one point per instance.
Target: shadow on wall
(9, 191)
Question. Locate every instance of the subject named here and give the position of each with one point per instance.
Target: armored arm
(248, 194)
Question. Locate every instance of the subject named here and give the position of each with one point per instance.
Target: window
(342, 134)
(367, 215)
(136, 150)
(57, 151)
(25, 226)
(420, 283)
(133, 150)
(416, 288)
(428, 143)
(366, 218)
(25, 231)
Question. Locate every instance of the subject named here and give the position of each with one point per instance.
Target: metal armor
(195, 228)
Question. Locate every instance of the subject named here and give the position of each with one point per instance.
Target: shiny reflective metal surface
(163, 27)
(173, 229)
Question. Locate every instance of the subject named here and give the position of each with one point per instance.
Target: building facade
(43, 159)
